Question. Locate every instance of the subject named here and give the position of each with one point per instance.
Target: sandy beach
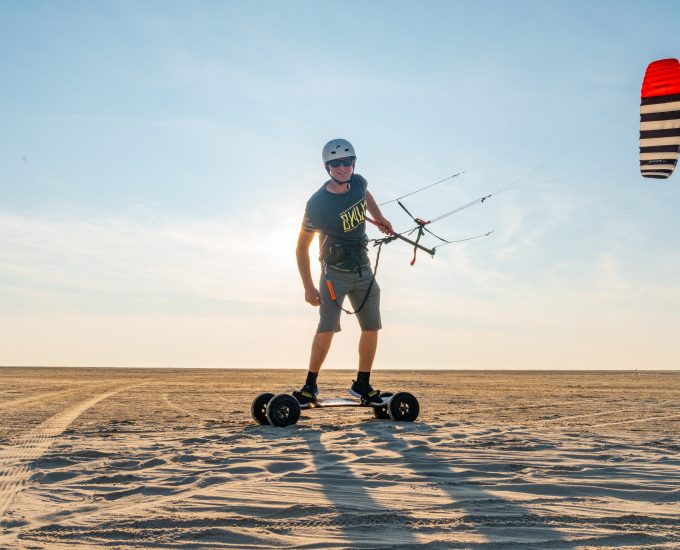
(124, 458)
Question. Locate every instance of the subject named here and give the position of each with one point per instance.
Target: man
(337, 212)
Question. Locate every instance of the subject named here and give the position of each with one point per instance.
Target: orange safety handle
(330, 289)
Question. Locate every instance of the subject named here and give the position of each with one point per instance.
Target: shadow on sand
(503, 523)
(359, 518)
(364, 520)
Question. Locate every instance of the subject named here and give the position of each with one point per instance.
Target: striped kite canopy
(660, 119)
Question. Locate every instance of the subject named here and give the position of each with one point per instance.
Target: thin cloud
(152, 256)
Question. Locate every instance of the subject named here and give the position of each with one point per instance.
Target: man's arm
(312, 295)
(383, 223)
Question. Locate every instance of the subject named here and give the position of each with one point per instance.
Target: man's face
(343, 171)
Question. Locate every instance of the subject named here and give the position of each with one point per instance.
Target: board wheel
(283, 410)
(258, 409)
(381, 412)
(403, 407)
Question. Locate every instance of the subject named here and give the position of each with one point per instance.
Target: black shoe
(306, 395)
(365, 392)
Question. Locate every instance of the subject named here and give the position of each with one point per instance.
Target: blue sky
(157, 157)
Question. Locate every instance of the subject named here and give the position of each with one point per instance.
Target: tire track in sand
(638, 420)
(15, 459)
(175, 407)
(21, 401)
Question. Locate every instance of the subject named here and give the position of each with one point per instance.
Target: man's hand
(385, 226)
(313, 296)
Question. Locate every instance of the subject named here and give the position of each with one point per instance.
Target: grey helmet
(337, 149)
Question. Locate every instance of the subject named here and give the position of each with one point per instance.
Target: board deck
(340, 402)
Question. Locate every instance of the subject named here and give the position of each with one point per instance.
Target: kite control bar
(394, 236)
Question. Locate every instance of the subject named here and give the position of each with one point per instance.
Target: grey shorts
(354, 287)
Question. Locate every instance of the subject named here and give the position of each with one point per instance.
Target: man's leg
(361, 387)
(369, 320)
(320, 346)
(368, 343)
(329, 324)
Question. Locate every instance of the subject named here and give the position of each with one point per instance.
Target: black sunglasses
(335, 163)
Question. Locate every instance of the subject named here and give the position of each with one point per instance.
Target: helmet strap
(341, 182)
